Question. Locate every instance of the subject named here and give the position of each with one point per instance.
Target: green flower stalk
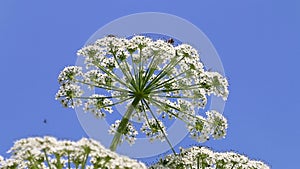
(153, 79)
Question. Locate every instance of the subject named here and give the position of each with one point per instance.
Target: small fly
(111, 36)
(171, 41)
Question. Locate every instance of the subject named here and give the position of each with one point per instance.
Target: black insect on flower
(171, 41)
(111, 35)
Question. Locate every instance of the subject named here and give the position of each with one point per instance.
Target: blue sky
(257, 41)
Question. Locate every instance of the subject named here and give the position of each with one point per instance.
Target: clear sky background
(257, 41)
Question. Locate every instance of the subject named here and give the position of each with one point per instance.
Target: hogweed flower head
(202, 157)
(152, 78)
(48, 152)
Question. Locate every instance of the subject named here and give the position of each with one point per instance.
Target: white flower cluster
(202, 157)
(50, 153)
(97, 104)
(69, 74)
(96, 54)
(69, 90)
(218, 84)
(68, 95)
(154, 129)
(214, 125)
(156, 76)
(129, 134)
(219, 123)
(96, 78)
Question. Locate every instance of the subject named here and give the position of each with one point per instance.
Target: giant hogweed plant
(152, 79)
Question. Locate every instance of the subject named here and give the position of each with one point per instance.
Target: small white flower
(69, 74)
(218, 84)
(154, 129)
(68, 95)
(219, 123)
(200, 129)
(98, 105)
(129, 134)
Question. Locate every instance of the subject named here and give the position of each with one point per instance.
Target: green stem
(85, 159)
(33, 162)
(58, 162)
(168, 141)
(112, 75)
(159, 104)
(98, 97)
(234, 163)
(125, 72)
(134, 68)
(106, 87)
(47, 159)
(69, 163)
(140, 70)
(170, 81)
(162, 103)
(123, 124)
(175, 96)
(133, 80)
(163, 72)
(190, 87)
(149, 71)
(108, 105)
(198, 162)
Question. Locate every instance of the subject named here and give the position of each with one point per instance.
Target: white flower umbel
(98, 105)
(129, 134)
(150, 78)
(218, 123)
(154, 129)
(202, 157)
(49, 153)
